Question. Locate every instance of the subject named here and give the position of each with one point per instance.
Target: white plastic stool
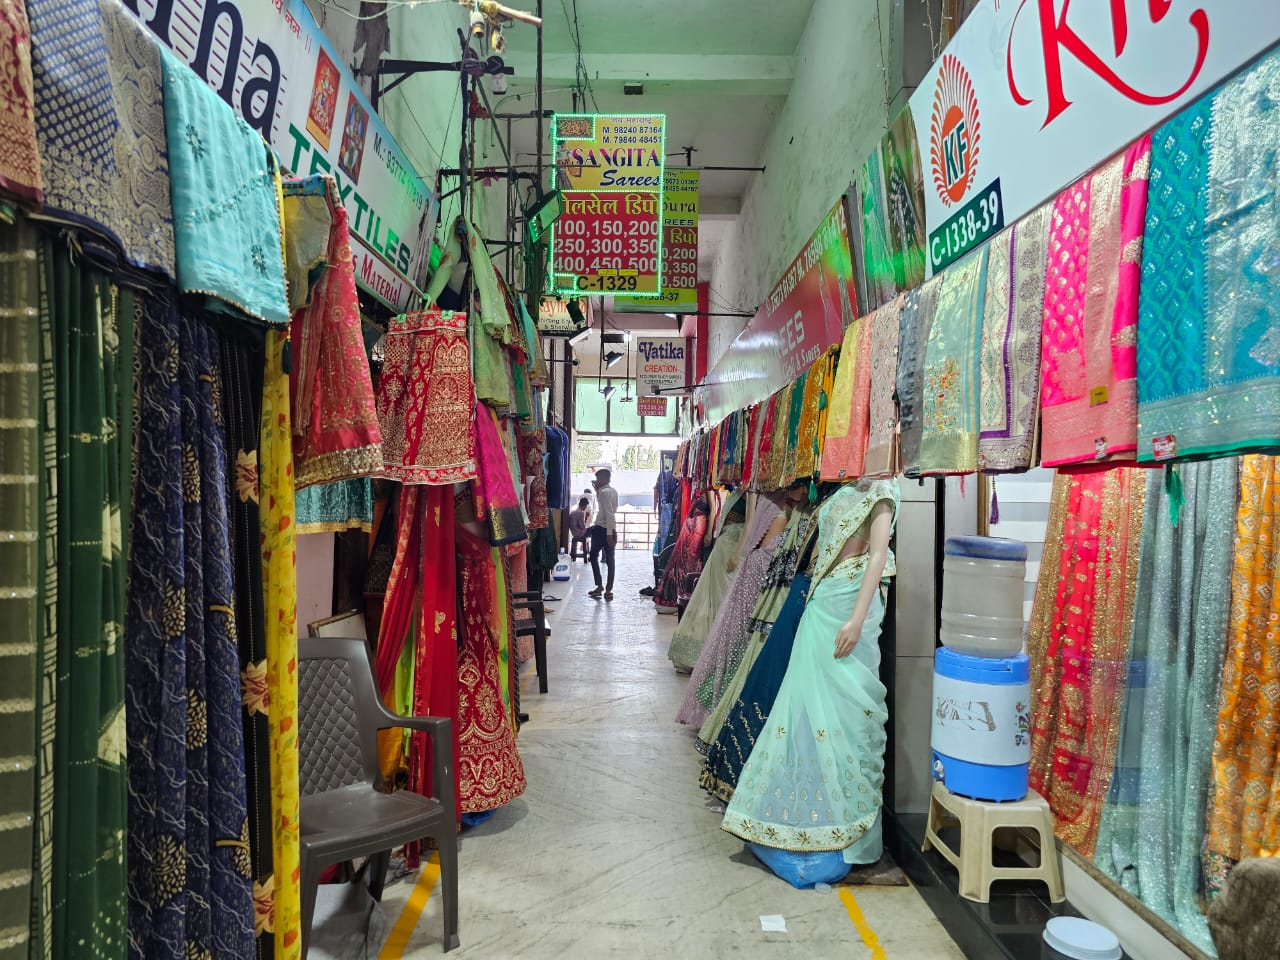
(979, 820)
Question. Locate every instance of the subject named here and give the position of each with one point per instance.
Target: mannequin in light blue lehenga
(813, 781)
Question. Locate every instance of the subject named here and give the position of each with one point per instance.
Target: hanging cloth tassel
(1173, 488)
(994, 517)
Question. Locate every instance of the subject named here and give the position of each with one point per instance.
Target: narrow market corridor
(614, 851)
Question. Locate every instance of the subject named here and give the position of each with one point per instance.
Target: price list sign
(610, 171)
(679, 248)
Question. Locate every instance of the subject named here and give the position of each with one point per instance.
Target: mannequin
(812, 783)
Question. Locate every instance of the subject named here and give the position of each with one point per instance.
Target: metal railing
(637, 530)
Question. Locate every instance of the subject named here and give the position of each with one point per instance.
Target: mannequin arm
(880, 528)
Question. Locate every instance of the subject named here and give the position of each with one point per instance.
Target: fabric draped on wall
(226, 208)
(881, 460)
(533, 445)
(20, 463)
(1081, 622)
(190, 869)
(280, 609)
(1244, 810)
(845, 447)
(951, 370)
(1153, 823)
(81, 846)
(1010, 381)
(1209, 333)
(102, 139)
(496, 502)
(795, 414)
(335, 423)
(242, 369)
(1089, 393)
(913, 337)
(19, 150)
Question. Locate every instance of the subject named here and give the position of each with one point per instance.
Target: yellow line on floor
(394, 947)
(860, 923)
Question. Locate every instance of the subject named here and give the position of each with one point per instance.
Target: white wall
(834, 115)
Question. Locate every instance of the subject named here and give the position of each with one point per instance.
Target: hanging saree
(533, 445)
(92, 334)
(749, 710)
(1011, 329)
(881, 459)
(685, 559)
(101, 132)
(280, 605)
(189, 842)
(845, 445)
(751, 443)
(913, 337)
(226, 210)
(1153, 823)
(727, 640)
(877, 258)
(813, 404)
(768, 426)
(489, 770)
(949, 444)
(20, 464)
(335, 423)
(242, 370)
(1089, 358)
(795, 412)
(335, 507)
(705, 601)
(496, 502)
(774, 590)
(19, 151)
(426, 401)
(1209, 329)
(1080, 625)
(813, 780)
(1244, 811)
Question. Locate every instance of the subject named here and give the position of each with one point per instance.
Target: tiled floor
(614, 850)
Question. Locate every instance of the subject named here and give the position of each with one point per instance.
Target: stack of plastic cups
(981, 738)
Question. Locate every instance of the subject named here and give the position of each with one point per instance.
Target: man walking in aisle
(604, 532)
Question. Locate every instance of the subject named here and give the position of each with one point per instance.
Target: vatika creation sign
(609, 169)
(661, 365)
(1032, 94)
(805, 313)
(679, 249)
(287, 81)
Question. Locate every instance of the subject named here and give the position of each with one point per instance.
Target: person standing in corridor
(604, 532)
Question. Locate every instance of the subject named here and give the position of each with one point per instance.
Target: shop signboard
(554, 319)
(660, 365)
(679, 249)
(289, 83)
(1029, 96)
(651, 406)
(610, 170)
(806, 312)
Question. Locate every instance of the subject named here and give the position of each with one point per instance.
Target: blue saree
(1209, 316)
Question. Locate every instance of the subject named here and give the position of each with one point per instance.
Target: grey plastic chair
(344, 813)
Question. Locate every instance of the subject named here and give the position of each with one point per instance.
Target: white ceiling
(719, 70)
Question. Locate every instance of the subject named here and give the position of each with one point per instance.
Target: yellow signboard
(609, 151)
(679, 249)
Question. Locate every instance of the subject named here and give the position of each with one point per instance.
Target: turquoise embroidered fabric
(226, 205)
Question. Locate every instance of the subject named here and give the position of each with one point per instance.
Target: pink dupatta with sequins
(1089, 357)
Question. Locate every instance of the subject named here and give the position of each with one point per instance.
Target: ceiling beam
(744, 74)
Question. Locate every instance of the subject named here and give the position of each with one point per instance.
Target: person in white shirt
(604, 532)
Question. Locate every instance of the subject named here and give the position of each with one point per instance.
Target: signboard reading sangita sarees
(1029, 96)
(288, 82)
(609, 168)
